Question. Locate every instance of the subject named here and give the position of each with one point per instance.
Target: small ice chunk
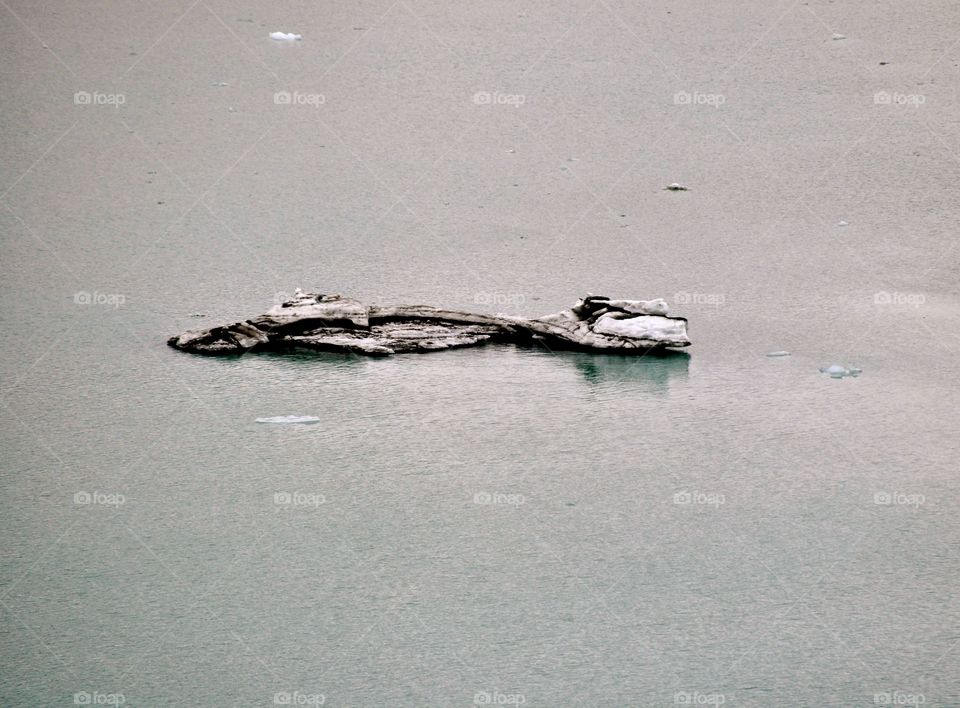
(835, 371)
(285, 36)
(219, 83)
(780, 353)
(676, 187)
(843, 223)
(837, 35)
(289, 419)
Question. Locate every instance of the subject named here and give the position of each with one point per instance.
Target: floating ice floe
(676, 187)
(781, 353)
(289, 419)
(286, 36)
(843, 223)
(838, 372)
(319, 322)
(837, 35)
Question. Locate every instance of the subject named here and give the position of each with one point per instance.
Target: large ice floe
(334, 323)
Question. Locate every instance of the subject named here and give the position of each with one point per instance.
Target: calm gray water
(496, 526)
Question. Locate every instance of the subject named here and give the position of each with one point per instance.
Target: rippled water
(499, 525)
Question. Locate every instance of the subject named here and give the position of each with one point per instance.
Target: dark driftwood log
(335, 323)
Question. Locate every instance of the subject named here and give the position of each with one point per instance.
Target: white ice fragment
(676, 187)
(780, 353)
(843, 223)
(289, 419)
(836, 35)
(220, 83)
(838, 372)
(651, 327)
(285, 36)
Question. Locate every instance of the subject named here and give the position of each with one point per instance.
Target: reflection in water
(653, 369)
(292, 359)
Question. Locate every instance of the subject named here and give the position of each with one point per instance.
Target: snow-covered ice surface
(642, 307)
(651, 327)
(289, 419)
